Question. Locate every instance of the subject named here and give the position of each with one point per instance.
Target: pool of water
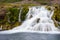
(29, 36)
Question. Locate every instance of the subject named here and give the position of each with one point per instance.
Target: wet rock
(31, 16)
(2, 13)
(38, 20)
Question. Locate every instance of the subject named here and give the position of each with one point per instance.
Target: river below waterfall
(29, 36)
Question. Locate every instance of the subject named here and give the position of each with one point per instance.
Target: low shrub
(13, 14)
(24, 12)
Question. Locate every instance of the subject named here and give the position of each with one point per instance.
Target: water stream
(38, 19)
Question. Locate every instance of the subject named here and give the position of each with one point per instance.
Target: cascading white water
(38, 19)
(20, 15)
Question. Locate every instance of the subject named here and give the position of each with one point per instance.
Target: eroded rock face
(2, 13)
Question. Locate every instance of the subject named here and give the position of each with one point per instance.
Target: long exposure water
(38, 19)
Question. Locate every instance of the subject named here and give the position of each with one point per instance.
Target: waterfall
(38, 19)
(19, 19)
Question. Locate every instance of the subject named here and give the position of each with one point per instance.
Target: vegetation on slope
(24, 12)
(56, 15)
(10, 17)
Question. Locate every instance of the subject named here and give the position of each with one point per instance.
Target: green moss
(24, 12)
(48, 7)
(16, 24)
(13, 14)
(56, 24)
(56, 15)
